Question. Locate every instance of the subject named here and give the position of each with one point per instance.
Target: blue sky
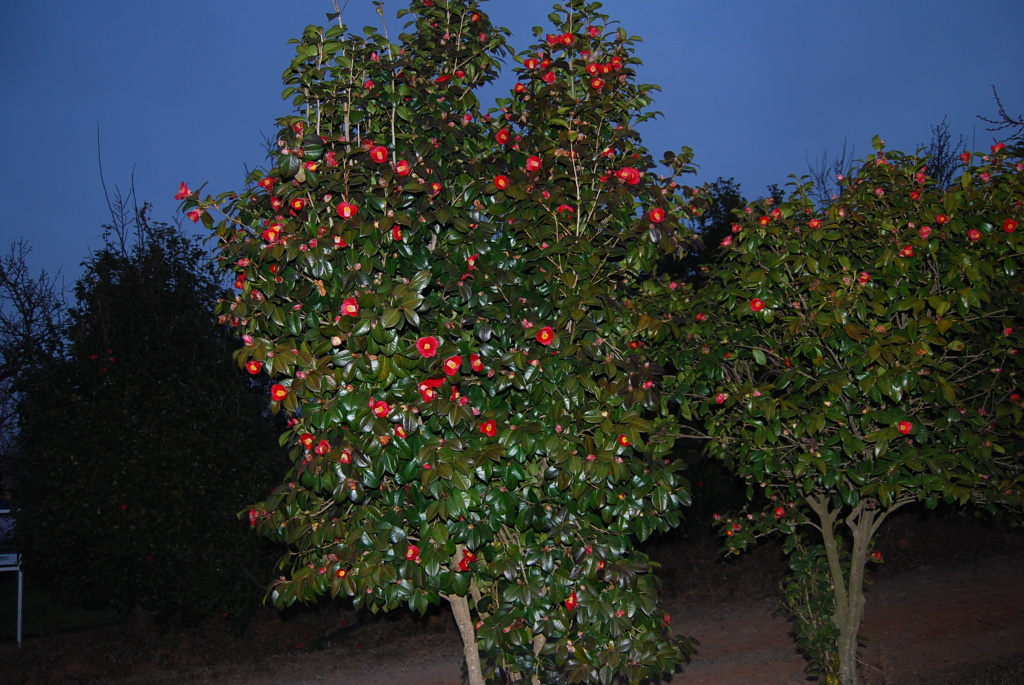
(182, 91)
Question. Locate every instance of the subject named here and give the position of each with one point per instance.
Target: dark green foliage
(130, 479)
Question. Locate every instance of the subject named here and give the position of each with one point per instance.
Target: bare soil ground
(947, 607)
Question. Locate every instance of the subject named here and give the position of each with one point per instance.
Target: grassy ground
(692, 568)
(41, 615)
(1009, 672)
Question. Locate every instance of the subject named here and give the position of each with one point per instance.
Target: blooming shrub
(450, 309)
(859, 357)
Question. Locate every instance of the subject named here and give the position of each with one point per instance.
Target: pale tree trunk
(848, 593)
(464, 620)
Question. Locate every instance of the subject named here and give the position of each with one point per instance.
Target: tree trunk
(463, 619)
(848, 592)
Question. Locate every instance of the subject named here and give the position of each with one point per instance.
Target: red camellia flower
(306, 439)
(571, 602)
(272, 233)
(904, 427)
(531, 62)
(533, 163)
(1010, 225)
(467, 558)
(519, 88)
(413, 553)
(864, 277)
(427, 346)
(597, 83)
(657, 215)
(396, 233)
(941, 219)
(974, 235)
(756, 304)
(779, 512)
(907, 251)
(253, 366)
(764, 220)
(278, 392)
(965, 158)
(428, 388)
(548, 77)
(501, 182)
(194, 215)
(628, 175)
(379, 154)
(546, 335)
(350, 307)
(924, 232)
(322, 447)
(814, 223)
(381, 409)
(726, 241)
(297, 204)
(402, 168)
(267, 183)
(476, 363)
(701, 316)
(622, 440)
(183, 192)
(400, 432)
(489, 428)
(502, 136)
(915, 195)
(998, 147)
(876, 556)
(452, 365)
(721, 397)
(347, 210)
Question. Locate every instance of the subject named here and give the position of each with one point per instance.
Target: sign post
(11, 561)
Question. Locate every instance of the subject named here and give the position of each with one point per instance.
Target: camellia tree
(851, 359)
(444, 300)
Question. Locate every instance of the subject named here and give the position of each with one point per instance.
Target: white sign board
(9, 562)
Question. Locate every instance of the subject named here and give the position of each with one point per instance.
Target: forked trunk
(848, 592)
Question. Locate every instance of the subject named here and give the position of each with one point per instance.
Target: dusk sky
(182, 91)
